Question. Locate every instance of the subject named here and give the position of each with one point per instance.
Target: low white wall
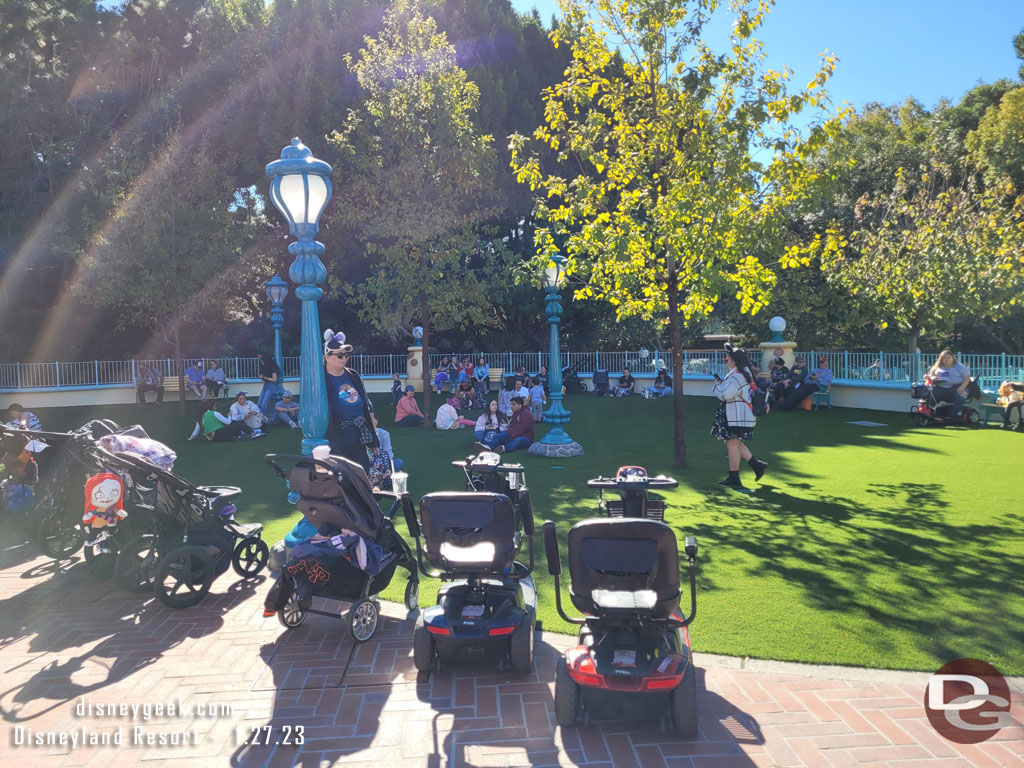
(843, 395)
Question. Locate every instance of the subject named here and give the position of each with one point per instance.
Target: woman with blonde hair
(949, 379)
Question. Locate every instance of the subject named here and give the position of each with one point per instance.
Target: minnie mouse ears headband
(335, 342)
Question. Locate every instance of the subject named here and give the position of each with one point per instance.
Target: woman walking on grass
(734, 419)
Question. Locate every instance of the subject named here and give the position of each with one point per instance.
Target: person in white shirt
(245, 410)
(734, 419)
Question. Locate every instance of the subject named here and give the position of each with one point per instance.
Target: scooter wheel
(684, 704)
(422, 647)
(521, 648)
(920, 420)
(567, 696)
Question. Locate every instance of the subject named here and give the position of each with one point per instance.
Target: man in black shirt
(269, 373)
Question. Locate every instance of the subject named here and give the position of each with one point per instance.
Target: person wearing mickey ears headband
(350, 430)
(734, 419)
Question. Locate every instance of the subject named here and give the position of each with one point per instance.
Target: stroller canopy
(468, 532)
(342, 501)
(624, 567)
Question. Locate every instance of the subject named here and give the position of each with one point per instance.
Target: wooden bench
(171, 390)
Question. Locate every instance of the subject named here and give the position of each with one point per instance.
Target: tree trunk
(676, 329)
(425, 322)
(181, 369)
(912, 336)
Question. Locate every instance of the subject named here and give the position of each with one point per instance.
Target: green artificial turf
(892, 546)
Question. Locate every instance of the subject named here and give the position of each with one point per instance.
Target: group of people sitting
(244, 419)
(791, 386)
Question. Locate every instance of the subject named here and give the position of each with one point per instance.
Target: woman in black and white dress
(734, 419)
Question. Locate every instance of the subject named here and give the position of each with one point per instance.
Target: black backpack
(759, 403)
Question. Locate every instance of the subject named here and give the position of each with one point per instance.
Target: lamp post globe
(277, 290)
(300, 188)
(417, 336)
(556, 443)
(777, 325)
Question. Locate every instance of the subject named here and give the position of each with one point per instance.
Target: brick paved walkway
(66, 639)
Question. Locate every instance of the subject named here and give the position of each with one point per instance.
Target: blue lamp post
(556, 443)
(300, 187)
(277, 290)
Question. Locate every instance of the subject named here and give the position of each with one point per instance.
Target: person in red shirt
(520, 430)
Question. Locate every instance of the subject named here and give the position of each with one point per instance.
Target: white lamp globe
(417, 332)
(776, 325)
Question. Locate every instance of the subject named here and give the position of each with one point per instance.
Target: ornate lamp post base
(562, 451)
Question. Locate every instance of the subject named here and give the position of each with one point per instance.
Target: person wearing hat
(350, 430)
(407, 412)
(778, 375)
(287, 410)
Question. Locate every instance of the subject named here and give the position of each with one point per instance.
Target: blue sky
(890, 50)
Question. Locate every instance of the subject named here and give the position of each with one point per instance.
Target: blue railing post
(96, 369)
(237, 376)
(1005, 375)
(134, 379)
(846, 365)
(18, 370)
(56, 365)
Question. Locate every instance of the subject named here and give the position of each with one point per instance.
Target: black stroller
(634, 642)
(180, 536)
(489, 605)
(601, 386)
(571, 378)
(358, 559)
(55, 525)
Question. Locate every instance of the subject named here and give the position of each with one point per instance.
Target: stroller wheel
(184, 576)
(521, 648)
(293, 613)
(412, 595)
(250, 557)
(567, 695)
(363, 620)
(52, 534)
(684, 704)
(135, 567)
(422, 647)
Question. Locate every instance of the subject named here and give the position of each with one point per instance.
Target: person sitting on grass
(447, 417)
(216, 427)
(467, 394)
(505, 396)
(407, 412)
(247, 411)
(662, 386)
(625, 386)
(194, 376)
(519, 434)
(1011, 395)
(490, 424)
(382, 460)
(287, 410)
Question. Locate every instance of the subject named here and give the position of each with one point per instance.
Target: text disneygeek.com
(104, 734)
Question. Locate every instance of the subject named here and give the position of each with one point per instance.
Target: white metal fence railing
(861, 368)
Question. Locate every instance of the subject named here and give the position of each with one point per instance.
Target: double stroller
(177, 537)
(487, 606)
(634, 643)
(354, 554)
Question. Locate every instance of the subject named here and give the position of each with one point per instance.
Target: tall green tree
(418, 179)
(680, 161)
(932, 253)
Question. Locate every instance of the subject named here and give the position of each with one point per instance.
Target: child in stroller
(356, 550)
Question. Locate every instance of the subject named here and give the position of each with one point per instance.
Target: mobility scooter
(488, 606)
(632, 484)
(930, 409)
